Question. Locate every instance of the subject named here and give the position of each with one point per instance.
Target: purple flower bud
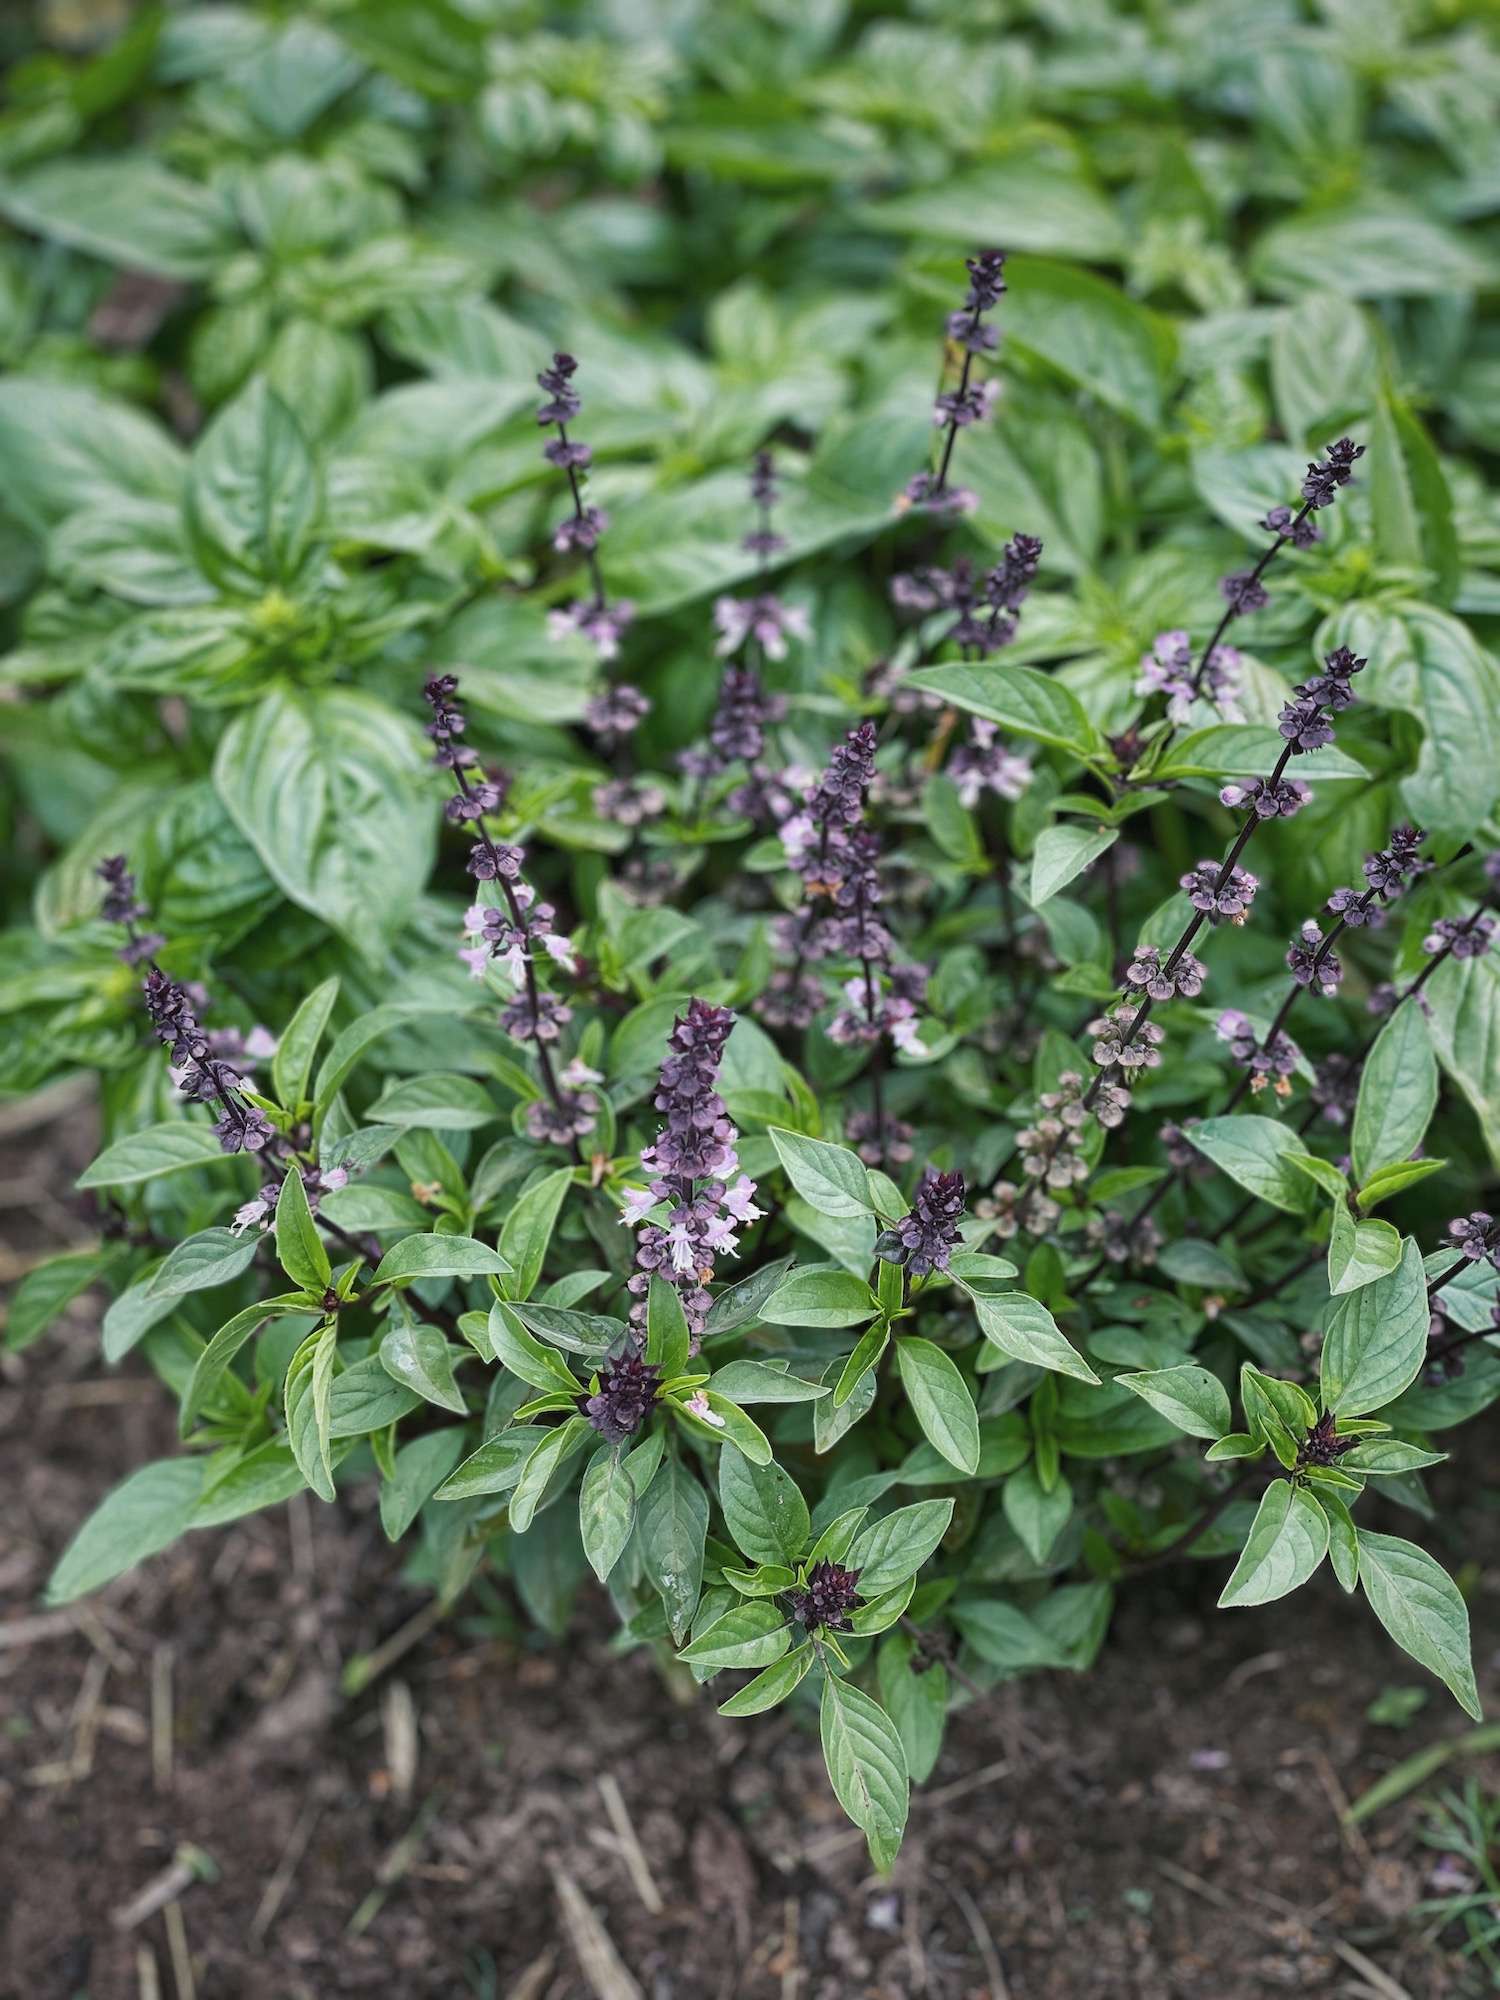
(1476, 1237)
(1147, 969)
(1243, 592)
(621, 1403)
(563, 403)
(1218, 898)
(1312, 963)
(924, 1239)
(1268, 801)
(616, 713)
(1320, 487)
(826, 1600)
(1461, 937)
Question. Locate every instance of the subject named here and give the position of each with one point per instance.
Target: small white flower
(639, 1203)
(699, 1406)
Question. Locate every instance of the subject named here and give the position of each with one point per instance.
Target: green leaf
(254, 499)
(1248, 750)
(438, 1257)
(1188, 1396)
(1379, 245)
(1465, 997)
(420, 1467)
(307, 1398)
(527, 1231)
(417, 1356)
(365, 1399)
(772, 1686)
(1398, 1092)
(1074, 325)
(1391, 1181)
(1063, 852)
(436, 1103)
(866, 1766)
(1037, 1515)
(606, 1510)
(324, 784)
(1419, 1605)
(673, 1527)
(749, 1381)
(299, 1248)
(830, 1179)
(341, 1060)
(753, 1633)
(1022, 1327)
(896, 1546)
(199, 1263)
(127, 209)
(1288, 1539)
(867, 1354)
(1376, 1340)
(496, 1466)
(48, 1288)
(1322, 1173)
(1252, 1151)
(727, 1423)
(264, 1477)
(1359, 1252)
(668, 1340)
(1021, 700)
(292, 1063)
(160, 1149)
(1343, 1539)
(940, 1401)
(819, 1295)
(1456, 785)
(216, 1359)
(916, 1702)
(542, 1465)
(1386, 1456)
(763, 1509)
(145, 1513)
(1038, 197)
(528, 1358)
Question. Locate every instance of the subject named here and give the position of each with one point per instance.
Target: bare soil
(490, 1818)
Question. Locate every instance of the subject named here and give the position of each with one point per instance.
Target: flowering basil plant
(833, 1141)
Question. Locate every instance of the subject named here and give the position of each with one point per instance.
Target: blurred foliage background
(1238, 227)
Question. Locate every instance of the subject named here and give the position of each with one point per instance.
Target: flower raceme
(697, 1198)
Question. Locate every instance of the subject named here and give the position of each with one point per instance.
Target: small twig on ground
(188, 1865)
(534, 1981)
(600, 1963)
(182, 1958)
(161, 1718)
(285, 1871)
(396, 1864)
(631, 1851)
(984, 1943)
(367, 1667)
(398, 1717)
(791, 1971)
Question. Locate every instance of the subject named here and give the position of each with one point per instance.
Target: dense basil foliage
(1021, 869)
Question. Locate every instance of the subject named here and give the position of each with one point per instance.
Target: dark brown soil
(1166, 1827)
